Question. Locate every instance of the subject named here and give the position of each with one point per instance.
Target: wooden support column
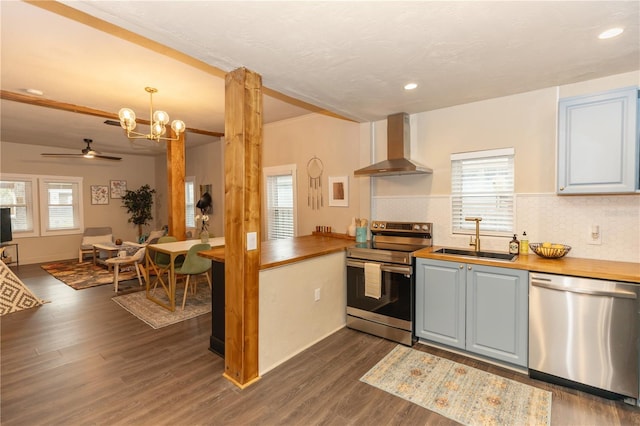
(243, 171)
(175, 182)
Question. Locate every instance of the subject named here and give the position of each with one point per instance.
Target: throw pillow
(98, 239)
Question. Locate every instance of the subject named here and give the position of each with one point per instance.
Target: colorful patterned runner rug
(461, 393)
(86, 274)
(14, 294)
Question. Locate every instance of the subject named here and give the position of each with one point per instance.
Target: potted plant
(138, 204)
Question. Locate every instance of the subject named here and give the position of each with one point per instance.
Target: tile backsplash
(545, 217)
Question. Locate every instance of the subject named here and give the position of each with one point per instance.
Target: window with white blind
(280, 201)
(482, 185)
(60, 205)
(189, 202)
(17, 192)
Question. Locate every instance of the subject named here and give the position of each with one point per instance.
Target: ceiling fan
(87, 152)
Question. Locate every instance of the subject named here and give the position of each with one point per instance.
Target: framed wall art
(99, 194)
(118, 188)
(339, 191)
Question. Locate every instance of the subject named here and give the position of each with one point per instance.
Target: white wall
(335, 142)
(527, 122)
(206, 163)
(290, 319)
(26, 159)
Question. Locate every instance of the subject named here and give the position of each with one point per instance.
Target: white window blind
(482, 185)
(189, 202)
(17, 193)
(280, 202)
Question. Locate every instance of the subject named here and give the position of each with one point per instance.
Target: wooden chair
(135, 260)
(194, 265)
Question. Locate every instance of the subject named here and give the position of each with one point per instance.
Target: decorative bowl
(553, 251)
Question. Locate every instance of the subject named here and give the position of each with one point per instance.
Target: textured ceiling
(350, 58)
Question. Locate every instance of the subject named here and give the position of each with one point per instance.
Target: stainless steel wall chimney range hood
(398, 151)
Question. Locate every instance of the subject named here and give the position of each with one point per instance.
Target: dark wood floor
(82, 359)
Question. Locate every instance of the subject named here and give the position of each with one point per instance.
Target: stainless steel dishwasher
(584, 332)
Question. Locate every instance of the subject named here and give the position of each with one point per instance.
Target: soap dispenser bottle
(524, 243)
(514, 245)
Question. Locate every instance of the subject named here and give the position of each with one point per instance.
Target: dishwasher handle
(546, 283)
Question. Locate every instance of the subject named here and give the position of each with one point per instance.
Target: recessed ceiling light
(610, 33)
(35, 92)
(410, 86)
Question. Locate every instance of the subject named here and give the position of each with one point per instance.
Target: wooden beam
(79, 109)
(243, 168)
(116, 31)
(175, 183)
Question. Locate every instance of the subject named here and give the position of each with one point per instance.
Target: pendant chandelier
(159, 120)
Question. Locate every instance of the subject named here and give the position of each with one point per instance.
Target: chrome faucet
(475, 244)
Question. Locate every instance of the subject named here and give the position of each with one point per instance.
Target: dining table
(173, 250)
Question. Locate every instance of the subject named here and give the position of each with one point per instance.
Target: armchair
(91, 236)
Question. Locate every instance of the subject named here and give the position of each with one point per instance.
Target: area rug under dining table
(81, 275)
(459, 392)
(156, 316)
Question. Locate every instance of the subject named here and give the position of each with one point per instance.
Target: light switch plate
(252, 240)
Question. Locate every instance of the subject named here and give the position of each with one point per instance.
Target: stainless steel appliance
(390, 312)
(584, 332)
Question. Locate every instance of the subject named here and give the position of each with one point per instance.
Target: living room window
(42, 205)
(482, 185)
(280, 201)
(17, 193)
(60, 205)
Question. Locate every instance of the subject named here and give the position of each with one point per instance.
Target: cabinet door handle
(469, 267)
(461, 266)
(562, 188)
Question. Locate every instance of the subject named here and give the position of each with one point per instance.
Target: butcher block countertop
(282, 252)
(591, 268)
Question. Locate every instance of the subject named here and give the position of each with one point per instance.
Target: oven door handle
(405, 270)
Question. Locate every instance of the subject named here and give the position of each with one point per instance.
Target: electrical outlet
(316, 294)
(594, 235)
(252, 240)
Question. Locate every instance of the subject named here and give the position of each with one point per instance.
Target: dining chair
(136, 259)
(162, 262)
(194, 265)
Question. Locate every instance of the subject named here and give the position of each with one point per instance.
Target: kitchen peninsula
(302, 295)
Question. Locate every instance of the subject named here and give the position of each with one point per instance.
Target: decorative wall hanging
(339, 191)
(118, 188)
(99, 194)
(314, 193)
(207, 189)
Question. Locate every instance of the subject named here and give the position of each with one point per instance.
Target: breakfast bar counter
(286, 251)
(302, 295)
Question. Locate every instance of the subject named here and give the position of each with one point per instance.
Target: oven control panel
(402, 227)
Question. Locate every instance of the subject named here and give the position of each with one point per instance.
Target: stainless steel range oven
(380, 280)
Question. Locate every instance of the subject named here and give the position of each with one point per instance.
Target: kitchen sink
(491, 255)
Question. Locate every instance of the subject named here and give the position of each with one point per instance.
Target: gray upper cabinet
(477, 308)
(598, 143)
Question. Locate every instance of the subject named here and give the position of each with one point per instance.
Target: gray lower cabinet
(476, 308)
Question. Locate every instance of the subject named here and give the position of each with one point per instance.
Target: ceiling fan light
(178, 126)
(161, 117)
(88, 155)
